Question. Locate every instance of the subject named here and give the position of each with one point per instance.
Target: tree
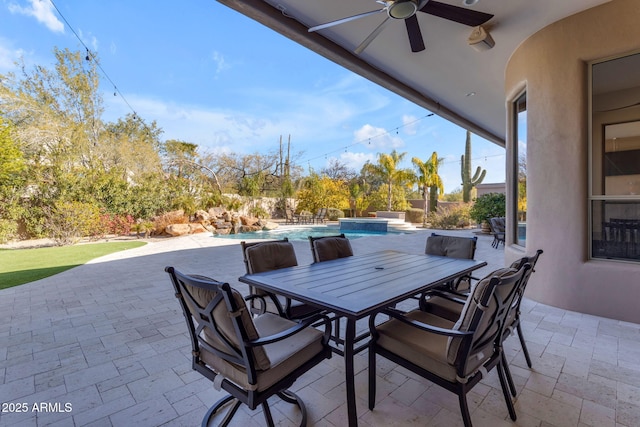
(388, 168)
(131, 145)
(323, 192)
(73, 155)
(429, 180)
(12, 168)
(469, 182)
(338, 170)
(57, 126)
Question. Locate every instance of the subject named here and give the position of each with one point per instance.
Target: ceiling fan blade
(343, 20)
(414, 33)
(371, 36)
(458, 14)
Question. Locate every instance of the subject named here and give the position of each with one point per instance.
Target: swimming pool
(303, 233)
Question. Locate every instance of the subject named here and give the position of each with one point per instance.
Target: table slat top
(359, 285)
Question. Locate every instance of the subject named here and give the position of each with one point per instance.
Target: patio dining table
(359, 286)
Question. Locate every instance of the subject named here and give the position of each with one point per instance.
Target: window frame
(600, 200)
(514, 167)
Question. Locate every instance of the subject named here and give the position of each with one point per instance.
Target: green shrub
(143, 227)
(333, 214)
(259, 212)
(8, 230)
(487, 206)
(232, 203)
(70, 221)
(414, 215)
(450, 218)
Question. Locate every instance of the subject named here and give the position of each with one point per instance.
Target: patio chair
(291, 217)
(454, 355)
(454, 247)
(252, 359)
(450, 304)
(268, 256)
(320, 216)
(327, 248)
(498, 228)
(330, 247)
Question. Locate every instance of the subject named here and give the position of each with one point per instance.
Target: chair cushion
(332, 248)
(270, 256)
(451, 246)
(286, 355)
(421, 348)
(225, 325)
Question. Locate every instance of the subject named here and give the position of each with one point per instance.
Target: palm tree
(387, 169)
(429, 180)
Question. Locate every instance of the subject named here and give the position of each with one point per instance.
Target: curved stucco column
(552, 65)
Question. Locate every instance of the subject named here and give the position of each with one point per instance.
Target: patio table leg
(349, 354)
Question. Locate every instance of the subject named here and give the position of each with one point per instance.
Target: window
(614, 152)
(519, 164)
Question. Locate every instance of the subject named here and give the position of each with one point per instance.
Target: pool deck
(108, 338)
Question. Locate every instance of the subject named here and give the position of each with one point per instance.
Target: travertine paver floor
(105, 344)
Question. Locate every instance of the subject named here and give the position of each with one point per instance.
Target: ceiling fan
(406, 10)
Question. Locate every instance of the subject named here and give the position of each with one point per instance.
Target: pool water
(303, 233)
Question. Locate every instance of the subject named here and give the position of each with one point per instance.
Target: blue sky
(208, 75)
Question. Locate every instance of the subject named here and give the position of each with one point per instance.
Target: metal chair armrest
(401, 316)
(299, 326)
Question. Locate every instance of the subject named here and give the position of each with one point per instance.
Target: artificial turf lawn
(18, 266)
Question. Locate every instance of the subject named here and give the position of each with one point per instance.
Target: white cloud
(221, 63)
(410, 124)
(41, 10)
(377, 138)
(89, 40)
(356, 160)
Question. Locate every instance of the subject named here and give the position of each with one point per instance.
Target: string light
(368, 140)
(326, 155)
(89, 56)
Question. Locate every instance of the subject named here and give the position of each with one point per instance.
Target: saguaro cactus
(468, 181)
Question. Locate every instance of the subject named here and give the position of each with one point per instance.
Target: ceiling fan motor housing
(403, 9)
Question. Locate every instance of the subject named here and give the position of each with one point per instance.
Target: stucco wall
(552, 65)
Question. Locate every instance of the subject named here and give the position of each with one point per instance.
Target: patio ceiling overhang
(448, 78)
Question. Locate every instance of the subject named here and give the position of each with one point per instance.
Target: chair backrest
(321, 213)
(451, 246)
(219, 324)
(330, 247)
(485, 313)
(268, 256)
(532, 261)
(498, 224)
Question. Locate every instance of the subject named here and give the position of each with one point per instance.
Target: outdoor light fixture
(402, 9)
(469, 2)
(480, 39)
